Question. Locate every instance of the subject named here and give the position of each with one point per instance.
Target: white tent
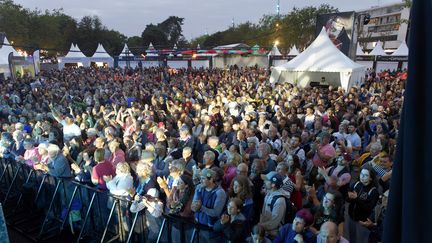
(101, 57)
(151, 51)
(5, 50)
(74, 57)
(293, 51)
(359, 51)
(125, 56)
(321, 63)
(402, 50)
(126, 52)
(275, 51)
(378, 50)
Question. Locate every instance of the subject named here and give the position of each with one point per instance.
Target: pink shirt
(326, 150)
(117, 157)
(32, 156)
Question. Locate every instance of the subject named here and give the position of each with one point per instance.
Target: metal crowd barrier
(42, 207)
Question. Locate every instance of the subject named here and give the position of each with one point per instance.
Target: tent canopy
(100, 52)
(402, 50)
(126, 52)
(359, 51)
(5, 49)
(293, 51)
(74, 52)
(322, 60)
(321, 56)
(275, 51)
(236, 46)
(378, 50)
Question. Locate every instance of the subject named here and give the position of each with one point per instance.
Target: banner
(339, 27)
(36, 61)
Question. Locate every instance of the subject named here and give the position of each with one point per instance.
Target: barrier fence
(43, 207)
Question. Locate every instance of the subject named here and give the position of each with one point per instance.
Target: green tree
(155, 35)
(135, 44)
(172, 27)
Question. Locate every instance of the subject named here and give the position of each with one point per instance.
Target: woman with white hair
(122, 183)
(58, 165)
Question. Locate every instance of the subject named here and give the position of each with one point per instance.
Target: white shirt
(70, 131)
(120, 185)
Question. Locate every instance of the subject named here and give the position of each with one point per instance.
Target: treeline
(54, 31)
(297, 27)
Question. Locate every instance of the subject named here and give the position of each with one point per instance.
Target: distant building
(388, 24)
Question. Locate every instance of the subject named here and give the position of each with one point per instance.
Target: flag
(409, 211)
(36, 61)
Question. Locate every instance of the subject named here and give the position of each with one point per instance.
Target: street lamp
(278, 8)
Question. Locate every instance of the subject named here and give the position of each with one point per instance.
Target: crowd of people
(251, 161)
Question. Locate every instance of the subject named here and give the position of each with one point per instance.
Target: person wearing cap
(298, 231)
(208, 202)
(273, 212)
(340, 171)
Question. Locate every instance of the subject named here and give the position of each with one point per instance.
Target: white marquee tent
(402, 50)
(293, 51)
(320, 63)
(378, 50)
(359, 51)
(275, 51)
(101, 57)
(126, 53)
(151, 51)
(74, 57)
(5, 50)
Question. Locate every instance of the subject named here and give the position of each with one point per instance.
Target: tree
(172, 27)
(154, 34)
(135, 44)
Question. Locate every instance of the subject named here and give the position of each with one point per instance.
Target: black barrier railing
(89, 213)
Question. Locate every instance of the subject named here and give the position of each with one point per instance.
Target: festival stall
(101, 58)
(74, 58)
(322, 63)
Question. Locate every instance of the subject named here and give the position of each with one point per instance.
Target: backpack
(290, 209)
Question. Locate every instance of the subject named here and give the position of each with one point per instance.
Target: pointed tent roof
(6, 48)
(275, 51)
(175, 47)
(359, 51)
(293, 51)
(378, 50)
(321, 56)
(151, 51)
(74, 52)
(126, 51)
(100, 52)
(402, 50)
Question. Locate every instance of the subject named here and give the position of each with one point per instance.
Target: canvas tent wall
(101, 57)
(320, 63)
(5, 50)
(73, 58)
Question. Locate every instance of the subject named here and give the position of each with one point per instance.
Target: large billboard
(339, 27)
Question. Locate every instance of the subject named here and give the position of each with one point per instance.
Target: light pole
(278, 8)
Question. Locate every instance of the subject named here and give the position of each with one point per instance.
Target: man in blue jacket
(208, 203)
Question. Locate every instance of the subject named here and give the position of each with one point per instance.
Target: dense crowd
(254, 162)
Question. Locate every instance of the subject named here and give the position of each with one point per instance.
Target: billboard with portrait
(340, 27)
